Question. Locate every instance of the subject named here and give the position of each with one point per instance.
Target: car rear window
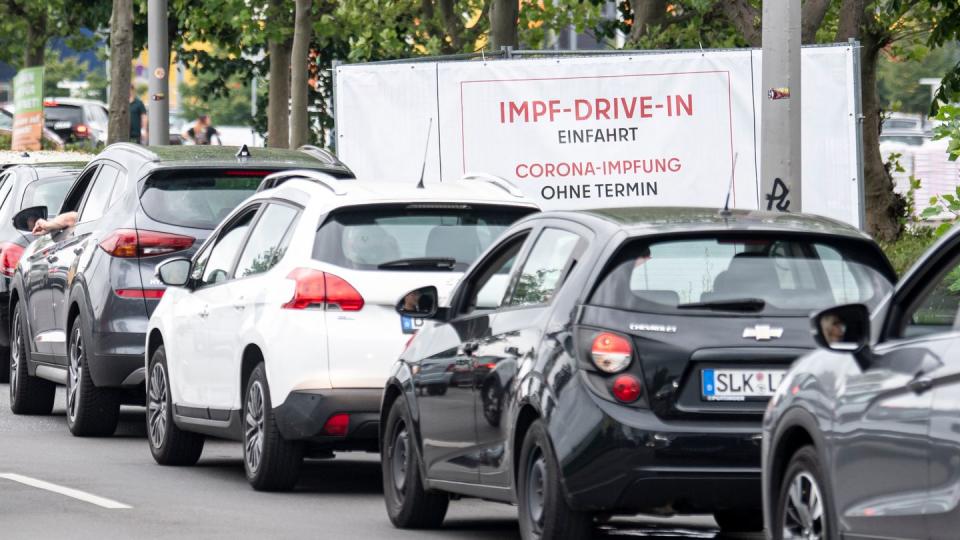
(197, 198)
(57, 116)
(365, 238)
(756, 274)
(48, 192)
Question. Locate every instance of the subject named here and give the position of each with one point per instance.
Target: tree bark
(646, 13)
(744, 17)
(881, 202)
(302, 33)
(36, 44)
(278, 107)
(121, 59)
(851, 19)
(811, 18)
(503, 23)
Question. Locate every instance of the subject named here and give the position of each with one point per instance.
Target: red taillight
(316, 288)
(626, 388)
(128, 243)
(337, 425)
(10, 254)
(150, 294)
(81, 130)
(611, 353)
(409, 341)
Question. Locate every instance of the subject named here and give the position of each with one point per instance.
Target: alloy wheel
(15, 354)
(803, 515)
(536, 486)
(157, 405)
(253, 439)
(398, 459)
(75, 373)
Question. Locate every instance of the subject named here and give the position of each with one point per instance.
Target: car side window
(219, 266)
(98, 195)
(548, 264)
(937, 308)
(120, 188)
(268, 241)
(75, 195)
(487, 287)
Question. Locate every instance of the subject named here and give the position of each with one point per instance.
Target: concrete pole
(158, 48)
(780, 112)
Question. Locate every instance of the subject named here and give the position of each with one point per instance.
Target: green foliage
(231, 107)
(31, 23)
(538, 20)
(908, 248)
(57, 69)
(899, 73)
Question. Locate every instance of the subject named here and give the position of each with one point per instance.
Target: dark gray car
(862, 439)
(81, 297)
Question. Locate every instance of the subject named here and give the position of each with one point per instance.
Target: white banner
(602, 131)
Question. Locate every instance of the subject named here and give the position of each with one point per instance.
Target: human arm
(63, 221)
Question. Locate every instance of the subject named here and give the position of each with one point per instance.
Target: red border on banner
(463, 143)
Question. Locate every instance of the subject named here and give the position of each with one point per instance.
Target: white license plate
(739, 384)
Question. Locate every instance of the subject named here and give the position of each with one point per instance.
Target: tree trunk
(851, 19)
(302, 33)
(278, 106)
(121, 59)
(503, 23)
(646, 13)
(36, 45)
(813, 12)
(881, 203)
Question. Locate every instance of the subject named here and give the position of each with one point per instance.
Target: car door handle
(470, 347)
(77, 250)
(512, 351)
(52, 258)
(920, 385)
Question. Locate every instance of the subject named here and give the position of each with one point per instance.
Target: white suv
(281, 330)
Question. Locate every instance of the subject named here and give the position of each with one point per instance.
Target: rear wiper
(432, 263)
(732, 304)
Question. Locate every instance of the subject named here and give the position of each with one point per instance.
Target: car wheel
(169, 444)
(271, 462)
(5, 371)
(544, 512)
(803, 508)
(739, 521)
(28, 394)
(91, 411)
(409, 505)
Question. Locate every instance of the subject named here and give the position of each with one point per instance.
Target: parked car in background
(906, 129)
(81, 297)
(24, 186)
(862, 439)
(77, 120)
(619, 362)
(50, 139)
(176, 128)
(281, 330)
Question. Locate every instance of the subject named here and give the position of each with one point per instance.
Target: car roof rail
(498, 181)
(133, 149)
(322, 154)
(317, 177)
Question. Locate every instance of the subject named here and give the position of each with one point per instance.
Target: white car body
(207, 331)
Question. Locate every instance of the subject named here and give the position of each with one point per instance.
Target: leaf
(930, 212)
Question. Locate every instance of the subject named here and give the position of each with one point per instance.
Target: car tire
(803, 483)
(740, 520)
(28, 394)
(544, 512)
(91, 411)
(271, 462)
(169, 444)
(5, 371)
(409, 504)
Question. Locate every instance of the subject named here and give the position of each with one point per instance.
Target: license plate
(740, 384)
(409, 325)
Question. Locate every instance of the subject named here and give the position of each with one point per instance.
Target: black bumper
(117, 370)
(304, 413)
(630, 461)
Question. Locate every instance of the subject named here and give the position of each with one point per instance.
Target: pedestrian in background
(202, 132)
(138, 118)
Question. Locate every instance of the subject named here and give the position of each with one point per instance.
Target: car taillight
(626, 388)
(129, 243)
(409, 341)
(81, 130)
(611, 353)
(10, 254)
(150, 294)
(322, 289)
(337, 425)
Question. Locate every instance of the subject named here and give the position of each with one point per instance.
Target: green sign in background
(28, 90)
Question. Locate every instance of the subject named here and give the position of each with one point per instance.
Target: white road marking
(63, 490)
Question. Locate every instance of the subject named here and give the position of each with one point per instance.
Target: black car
(81, 297)
(863, 438)
(24, 186)
(621, 361)
(77, 120)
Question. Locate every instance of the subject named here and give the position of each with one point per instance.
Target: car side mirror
(422, 303)
(844, 329)
(25, 219)
(174, 272)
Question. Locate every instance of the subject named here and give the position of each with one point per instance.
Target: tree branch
(811, 17)
(744, 17)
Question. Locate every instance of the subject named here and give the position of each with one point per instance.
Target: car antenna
(243, 153)
(726, 205)
(426, 150)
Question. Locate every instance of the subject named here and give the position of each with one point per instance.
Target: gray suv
(81, 297)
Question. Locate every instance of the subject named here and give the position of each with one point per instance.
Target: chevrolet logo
(763, 332)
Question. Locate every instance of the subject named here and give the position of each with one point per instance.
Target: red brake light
(611, 353)
(128, 243)
(10, 254)
(626, 388)
(151, 294)
(316, 288)
(337, 425)
(81, 130)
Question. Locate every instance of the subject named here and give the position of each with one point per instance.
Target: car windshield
(412, 237)
(756, 275)
(48, 192)
(197, 198)
(55, 114)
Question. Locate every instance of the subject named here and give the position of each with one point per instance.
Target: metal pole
(158, 108)
(780, 112)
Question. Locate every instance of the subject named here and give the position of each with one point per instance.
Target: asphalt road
(124, 494)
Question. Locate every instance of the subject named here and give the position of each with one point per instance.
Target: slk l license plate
(739, 384)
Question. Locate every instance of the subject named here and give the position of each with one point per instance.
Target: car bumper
(632, 461)
(304, 413)
(117, 370)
